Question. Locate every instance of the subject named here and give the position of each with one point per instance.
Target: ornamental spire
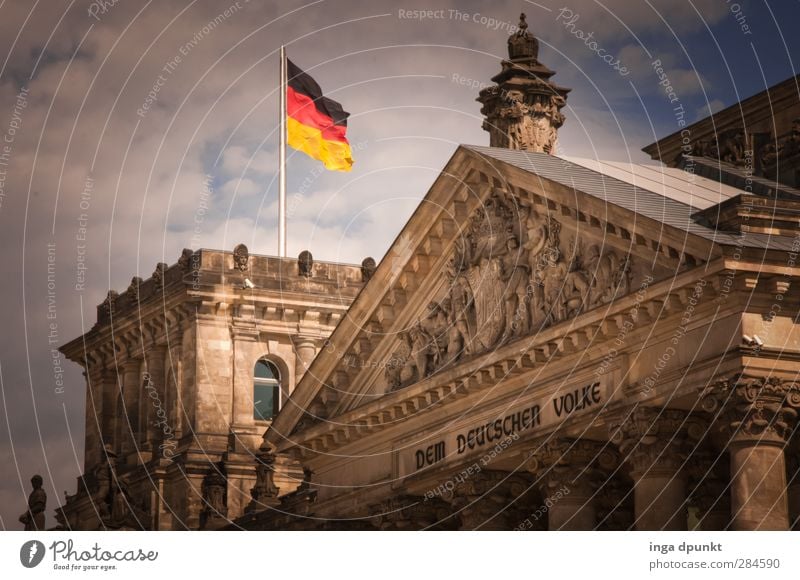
(522, 110)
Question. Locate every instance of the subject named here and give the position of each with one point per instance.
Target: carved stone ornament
(523, 110)
(753, 409)
(264, 492)
(33, 518)
(158, 275)
(654, 440)
(305, 263)
(508, 277)
(186, 259)
(729, 146)
(133, 288)
(241, 257)
(368, 267)
(787, 146)
(109, 304)
(215, 497)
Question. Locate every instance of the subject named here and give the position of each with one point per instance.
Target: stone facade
(170, 427)
(537, 358)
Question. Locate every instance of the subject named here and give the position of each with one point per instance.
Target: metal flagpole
(282, 162)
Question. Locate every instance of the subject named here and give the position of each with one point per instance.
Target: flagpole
(282, 162)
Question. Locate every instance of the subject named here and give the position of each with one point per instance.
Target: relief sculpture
(508, 277)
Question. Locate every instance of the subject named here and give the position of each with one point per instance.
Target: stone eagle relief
(508, 277)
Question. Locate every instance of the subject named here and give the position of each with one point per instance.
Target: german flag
(315, 124)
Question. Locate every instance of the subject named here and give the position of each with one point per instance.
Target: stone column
(652, 443)
(708, 477)
(305, 349)
(153, 405)
(128, 416)
(756, 416)
(568, 473)
(481, 499)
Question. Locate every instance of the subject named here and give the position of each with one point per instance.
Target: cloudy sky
(82, 136)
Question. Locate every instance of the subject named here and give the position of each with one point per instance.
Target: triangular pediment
(494, 255)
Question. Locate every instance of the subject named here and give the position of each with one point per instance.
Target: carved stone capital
(753, 409)
(653, 440)
(576, 464)
(409, 513)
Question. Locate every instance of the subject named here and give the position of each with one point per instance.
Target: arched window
(266, 390)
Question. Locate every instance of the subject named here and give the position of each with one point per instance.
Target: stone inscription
(468, 440)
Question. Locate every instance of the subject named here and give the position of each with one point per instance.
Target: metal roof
(667, 195)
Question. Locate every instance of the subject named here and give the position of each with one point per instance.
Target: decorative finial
(522, 44)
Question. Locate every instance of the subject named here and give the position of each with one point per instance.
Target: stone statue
(33, 518)
(215, 492)
(305, 263)
(104, 474)
(241, 257)
(368, 268)
(515, 275)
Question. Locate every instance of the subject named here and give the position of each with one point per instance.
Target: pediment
(493, 255)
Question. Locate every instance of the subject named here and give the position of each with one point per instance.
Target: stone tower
(522, 109)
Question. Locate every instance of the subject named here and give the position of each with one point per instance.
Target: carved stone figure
(422, 351)
(215, 493)
(241, 257)
(133, 288)
(158, 274)
(264, 492)
(368, 268)
(185, 261)
(104, 474)
(507, 277)
(515, 275)
(33, 518)
(305, 263)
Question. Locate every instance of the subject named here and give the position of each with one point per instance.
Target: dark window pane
(265, 402)
(266, 370)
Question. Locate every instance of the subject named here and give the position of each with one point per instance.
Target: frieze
(510, 275)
